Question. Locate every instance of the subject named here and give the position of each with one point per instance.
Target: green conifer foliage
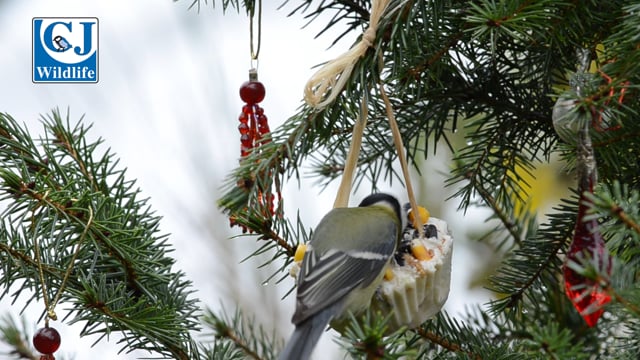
(490, 71)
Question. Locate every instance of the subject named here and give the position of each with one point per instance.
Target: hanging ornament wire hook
(255, 50)
(50, 304)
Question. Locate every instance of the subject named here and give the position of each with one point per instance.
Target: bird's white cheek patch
(367, 255)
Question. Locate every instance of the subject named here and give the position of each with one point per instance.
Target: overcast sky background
(167, 104)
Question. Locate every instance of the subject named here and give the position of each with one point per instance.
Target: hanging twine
(255, 50)
(342, 198)
(50, 305)
(327, 83)
(397, 140)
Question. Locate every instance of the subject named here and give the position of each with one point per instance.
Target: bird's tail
(306, 335)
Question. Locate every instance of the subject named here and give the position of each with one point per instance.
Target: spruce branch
(439, 340)
(616, 207)
(365, 336)
(17, 337)
(507, 220)
(526, 267)
(630, 305)
(554, 342)
(222, 350)
(242, 333)
(229, 334)
(476, 337)
(606, 204)
(351, 14)
(619, 213)
(264, 228)
(235, 4)
(70, 213)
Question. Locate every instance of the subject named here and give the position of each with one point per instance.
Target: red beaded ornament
(253, 122)
(46, 340)
(253, 129)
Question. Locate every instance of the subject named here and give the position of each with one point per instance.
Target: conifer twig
(229, 334)
(122, 279)
(439, 340)
(626, 303)
(270, 234)
(622, 215)
(509, 224)
(16, 338)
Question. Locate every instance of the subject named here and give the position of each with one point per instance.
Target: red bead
(252, 92)
(46, 340)
(244, 128)
(247, 110)
(243, 117)
(246, 140)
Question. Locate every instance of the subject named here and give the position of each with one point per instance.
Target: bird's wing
(328, 276)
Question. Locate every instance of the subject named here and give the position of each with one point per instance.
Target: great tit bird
(344, 264)
(62, 43)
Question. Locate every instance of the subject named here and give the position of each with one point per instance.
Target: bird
(343, 266)
(61, 43)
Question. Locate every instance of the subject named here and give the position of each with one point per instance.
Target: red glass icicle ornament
(588, 294)
(587, 267)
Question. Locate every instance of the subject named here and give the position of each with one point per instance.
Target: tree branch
(439, 340)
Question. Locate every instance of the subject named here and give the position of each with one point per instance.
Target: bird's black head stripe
(382, 198)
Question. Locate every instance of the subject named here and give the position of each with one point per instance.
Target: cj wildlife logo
(65, 50)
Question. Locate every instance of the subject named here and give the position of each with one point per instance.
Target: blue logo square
(65, 50)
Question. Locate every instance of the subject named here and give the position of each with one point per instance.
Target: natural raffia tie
(397, 140)
(342, 198)
(327, 83)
